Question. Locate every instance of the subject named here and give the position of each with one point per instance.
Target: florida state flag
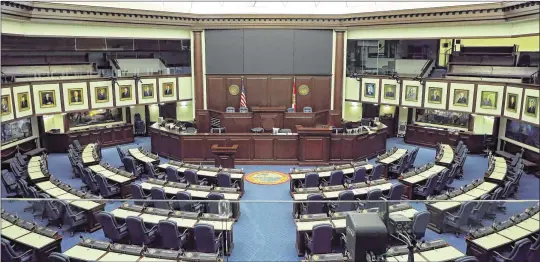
(294, 94)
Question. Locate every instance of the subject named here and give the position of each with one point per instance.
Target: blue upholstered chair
(336, 178)
(396, 191)
(206, 240)
(10, 255)
(358, 176)
(457, 222)
(320, 241)
(138, 194)
(311, 180)
(138, 233)
(345, 202)
(420, 223)
(171, 238)
(519, 252)
(111, 229)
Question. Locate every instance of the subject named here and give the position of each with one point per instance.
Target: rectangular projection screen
(268, 51)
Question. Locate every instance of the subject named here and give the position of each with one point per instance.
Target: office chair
(224, 180)
(311, 207)
(518, 253)
(420, 223)
(58, 257)
(91, 180)
(345, 202)
(139, 126)
(310, 180)
(458, 221)
(320, 241)
(131, 166)
(428, 188)
(336, 178)
(111, 229)
(53, 213)
(212, 206)
(152, 173)
(157, 193)
(105, 189)
(534, 251)
(396, 191)
(172, 174)
(10, 255)
(10, 183)
(121, 153)
(205, 239)
(467, 259)
(358, 176)
(185, 202)
(376, 173)
(479, 211)
(488, 145)
(192, 178)
(138, 193)
(139, 234)
(442, 181)
(72, 219)
(372, 195)
(170, 236)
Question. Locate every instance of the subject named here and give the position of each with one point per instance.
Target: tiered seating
(502, 173)
(493, 242)
(26, 241)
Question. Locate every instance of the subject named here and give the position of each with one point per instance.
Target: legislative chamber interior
(270, 131)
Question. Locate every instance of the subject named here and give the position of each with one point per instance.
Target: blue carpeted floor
(266, 231)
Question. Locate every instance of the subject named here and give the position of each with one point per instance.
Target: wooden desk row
(446, 155)
(90, 154)
(225, 226)
(91, 208)
(298, 175)
(338, 222)
(497, 171)
(419, 178)
(122, 178)
(107, 136)
(207, 172)
(37, 169)
(427, 136)
(483, 247)
(43, 245)
(439, 209)
(448, 253)
(315, 149)
(196, 193)
(392, 156)
(142, 156)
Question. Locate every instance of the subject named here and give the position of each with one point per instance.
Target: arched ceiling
(276, 7)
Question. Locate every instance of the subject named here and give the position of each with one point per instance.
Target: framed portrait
(168, 90)
(102, 94)
(390, 91)
(126, 92)
(6, 105)
(75, 96)
(47, 98)
(369, 90)
(461, 97)
(511, 102)
(411, 93)
(488, 100)
(435, 95)
(148, 91)
(532, 106)
(24, 104)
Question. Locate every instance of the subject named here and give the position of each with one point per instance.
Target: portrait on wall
(126, 91)
(461, 97)
(6, 104)
(370, 90)
(148, 91)
(435, 95)
(102, 94)
(23, 101)
(532, 106)
(75, 96)
(47, 98)
(168, 89)
(511, 102)
(411, 93)
(390, 92)
(488, 100)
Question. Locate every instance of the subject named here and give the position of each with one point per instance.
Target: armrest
(220, 236)
(80, 213)
(306, 235)
(154, 228)
(499, 255)
(24, 254)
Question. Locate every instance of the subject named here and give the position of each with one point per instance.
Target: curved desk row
(118, 176)
(37, 169)
(417, 177)
(445, 156)
(429, 136)
(318, 147)
(90, 154)
(496, 171)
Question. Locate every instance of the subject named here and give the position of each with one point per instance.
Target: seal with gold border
(303, 90)
(234, 90)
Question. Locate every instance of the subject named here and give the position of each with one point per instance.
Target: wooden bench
(529, 166)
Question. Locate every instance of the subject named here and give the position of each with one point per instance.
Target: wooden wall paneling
(256, 91)
(232, 100)
(245, 147)
(280, 91)
(203, 121)
(196, 148)
(303, 101)
(286, 148)
(321, 93)
(263, 148)
(216, 98)
(338, 70)
(198, 77)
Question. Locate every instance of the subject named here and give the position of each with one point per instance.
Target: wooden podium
(224, 155)
(314, 144)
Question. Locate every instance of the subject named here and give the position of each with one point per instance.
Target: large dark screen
(268, 51)
(94, 117)
(523, 133)
(16, 130)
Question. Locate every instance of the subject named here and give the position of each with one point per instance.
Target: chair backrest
(90, 178)
(377, 171)
(482, 206)
(420, 223)
(137, 193)
(315, 207)
(103, 185)
(130, 165)
(308, 109)
(137, 117)
(430, 185)
(349, 204)
(396, 191)
(467, 259)
(65, 209)
(136, 230)
(184, 205)
(223, 179)
(520, 250)
(205, 240)
(290, 110)
(121, 153)
(322, 239)
(168, 231)
(374, 194)
(336, 178)
(24, 188)
(151, 172)
(452, 174)
(58, 257)
(506, 191)
(213, 205)
(464, 212)
(109, 225)
(52, 211)
(157, 193)
(244, 110)
(459, 145)
(534, 251)
(443, 179)
(312, 180)
(191, 176)
(359, 175)
(8, 254)
(77, 144)
(230, 109)
(172, 174)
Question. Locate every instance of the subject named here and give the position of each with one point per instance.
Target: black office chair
(488, 145)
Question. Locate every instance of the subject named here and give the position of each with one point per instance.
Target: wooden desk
(496, 171)
(449, 253)
(90, 154)
(42, 245)
(446, 155)
(426, 136)
(107, 136)
(122, 181)
(261, 149)
(418, 179)
(141, 157)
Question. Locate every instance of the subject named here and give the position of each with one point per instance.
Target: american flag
(243, 102)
